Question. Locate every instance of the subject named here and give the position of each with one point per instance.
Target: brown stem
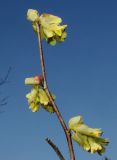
(66, 131)
(55, 148)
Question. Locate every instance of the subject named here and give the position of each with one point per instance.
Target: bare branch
(3, 101)
(55, 148)
(2, 81)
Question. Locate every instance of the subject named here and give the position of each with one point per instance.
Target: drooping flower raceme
(88, 138)
(38, 97)
(50, 27)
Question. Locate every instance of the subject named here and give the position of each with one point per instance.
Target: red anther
(39, 78)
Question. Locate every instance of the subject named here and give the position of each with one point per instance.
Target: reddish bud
(39, 79)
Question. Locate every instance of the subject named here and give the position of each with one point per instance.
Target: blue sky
(82, 72)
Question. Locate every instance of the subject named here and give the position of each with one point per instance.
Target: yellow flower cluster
(88, 138)
(38, 97)
(51, 30)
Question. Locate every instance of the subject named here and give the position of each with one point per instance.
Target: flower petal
(81, 140)
(93, 132)
(44, 100)
(74, 122)
(48, 33)
(34, 107)
(47, 19)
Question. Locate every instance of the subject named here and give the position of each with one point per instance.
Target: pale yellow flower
(50, 27)
(32, 15)
(88, 138)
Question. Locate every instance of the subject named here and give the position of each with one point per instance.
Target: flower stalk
(59, 116)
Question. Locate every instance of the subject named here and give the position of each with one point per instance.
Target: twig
(2, 81)
(66, 131)
(3, 101)
(55, 148)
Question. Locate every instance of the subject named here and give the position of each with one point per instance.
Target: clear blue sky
(82, 72)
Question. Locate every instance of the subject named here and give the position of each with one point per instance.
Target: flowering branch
(48, 27)
(55, 148)
(66, 131)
